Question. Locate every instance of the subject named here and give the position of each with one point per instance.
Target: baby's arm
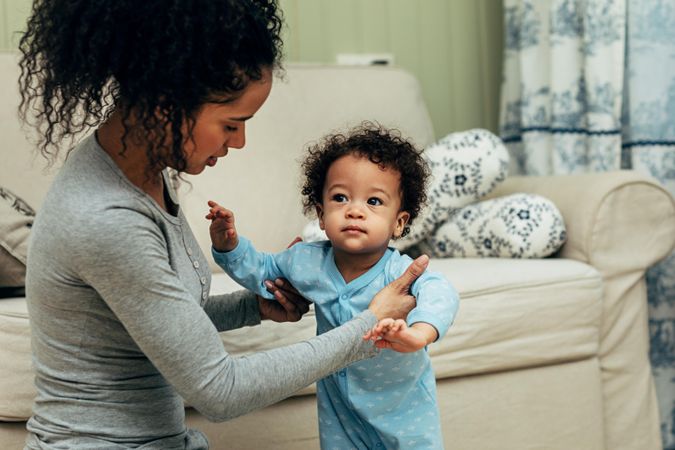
(222, 230)
(397, 335)
(437, 304)
(237, 256)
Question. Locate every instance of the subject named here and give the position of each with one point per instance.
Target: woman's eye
(374, 201)
(340, 198)
(230, 128)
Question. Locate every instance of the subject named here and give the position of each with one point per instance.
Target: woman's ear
(319, 215)
(401, 221)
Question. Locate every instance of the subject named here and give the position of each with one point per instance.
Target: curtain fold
(589, 85)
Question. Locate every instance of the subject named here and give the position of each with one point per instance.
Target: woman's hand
(289, 306)
(394, 300)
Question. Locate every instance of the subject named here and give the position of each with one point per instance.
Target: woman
(123, 326)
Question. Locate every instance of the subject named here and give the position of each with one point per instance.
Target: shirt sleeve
(233, 310)
(437, 299)
(123, 256)
(250, 268)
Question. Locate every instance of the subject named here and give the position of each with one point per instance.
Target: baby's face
(361, 206)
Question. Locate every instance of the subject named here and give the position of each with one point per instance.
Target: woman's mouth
(211, 161)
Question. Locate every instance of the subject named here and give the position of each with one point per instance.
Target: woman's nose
(238, 138)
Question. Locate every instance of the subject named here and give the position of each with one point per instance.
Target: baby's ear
(401, 220)
(319, 215)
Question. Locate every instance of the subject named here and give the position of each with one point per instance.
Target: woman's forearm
(234, 310)
(260, 379)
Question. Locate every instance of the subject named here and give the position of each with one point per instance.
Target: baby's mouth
(353, 229)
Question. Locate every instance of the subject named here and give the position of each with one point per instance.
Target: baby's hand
(223, 232)
(396, 335)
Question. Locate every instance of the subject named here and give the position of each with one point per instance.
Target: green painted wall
(452, 46)
(13, 14)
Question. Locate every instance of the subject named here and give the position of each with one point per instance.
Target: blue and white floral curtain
(589, 85)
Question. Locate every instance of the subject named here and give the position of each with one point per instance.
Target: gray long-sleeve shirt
(123, 328)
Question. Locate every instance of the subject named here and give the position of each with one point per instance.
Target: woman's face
(221, 126)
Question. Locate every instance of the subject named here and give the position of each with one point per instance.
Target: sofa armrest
(616, 221)
(621, 223)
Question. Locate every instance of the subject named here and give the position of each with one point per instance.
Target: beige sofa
(545, 354)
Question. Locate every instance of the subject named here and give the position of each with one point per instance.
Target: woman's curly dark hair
(384, 147)
(83, 58)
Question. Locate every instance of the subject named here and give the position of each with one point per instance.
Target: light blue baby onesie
(385, 402)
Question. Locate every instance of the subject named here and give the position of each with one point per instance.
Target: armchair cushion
(514, 313)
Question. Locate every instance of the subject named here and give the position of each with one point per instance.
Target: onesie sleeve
(250, 268)
(437, 299)
(123, 256)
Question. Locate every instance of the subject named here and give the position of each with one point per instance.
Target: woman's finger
(292, 294)
(285, 302)
(384, 325)
(288, 294)
(414, 270)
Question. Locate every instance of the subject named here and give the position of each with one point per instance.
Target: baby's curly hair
(82, 58)
(384, 147)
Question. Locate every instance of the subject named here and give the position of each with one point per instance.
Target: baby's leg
(339, 427)
(414, 424)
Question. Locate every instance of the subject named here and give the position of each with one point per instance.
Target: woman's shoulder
(90, 184)
(89, 199)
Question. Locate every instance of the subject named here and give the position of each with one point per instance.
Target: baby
(366, 187)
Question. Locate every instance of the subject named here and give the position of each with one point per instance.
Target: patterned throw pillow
(465, 167)
(16, 219)
(515, 226)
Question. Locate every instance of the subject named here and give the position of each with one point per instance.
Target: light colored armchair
(544, 354)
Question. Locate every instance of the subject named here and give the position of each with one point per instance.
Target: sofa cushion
(16, 374)
(552, 309)
(16, 218)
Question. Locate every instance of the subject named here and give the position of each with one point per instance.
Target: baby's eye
(374, 201)
(339, 198)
